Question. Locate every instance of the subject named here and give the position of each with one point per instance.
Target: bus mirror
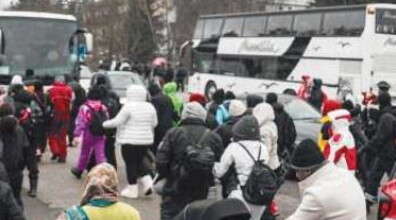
(2, 42)
(89, 42)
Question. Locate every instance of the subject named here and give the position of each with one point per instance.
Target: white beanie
(194, 110)
(237, 108)
(17, 80)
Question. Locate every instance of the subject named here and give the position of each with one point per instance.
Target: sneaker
(146, 182)
(131, 192)
(77, 173)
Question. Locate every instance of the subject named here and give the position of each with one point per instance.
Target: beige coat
(331, 193)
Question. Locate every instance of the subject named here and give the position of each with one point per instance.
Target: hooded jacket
(85, 116)
(269, 132)
(170, 89)
(341, 147)
(136, 120)
(286, 129)
(383, 142)
(330, 193)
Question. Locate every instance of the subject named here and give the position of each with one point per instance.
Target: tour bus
(49, 44)
(350, 48)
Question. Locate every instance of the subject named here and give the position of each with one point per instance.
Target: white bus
(352, 46)
(49, 44)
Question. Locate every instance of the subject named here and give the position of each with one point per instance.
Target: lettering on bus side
(390, 42)
(258, 46)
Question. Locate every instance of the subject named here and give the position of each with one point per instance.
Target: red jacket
(60, 96)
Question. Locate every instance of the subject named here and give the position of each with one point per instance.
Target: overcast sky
(5, 3)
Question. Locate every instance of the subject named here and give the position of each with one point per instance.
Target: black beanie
(307, 155)
(247, 128)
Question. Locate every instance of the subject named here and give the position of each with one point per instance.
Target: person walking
(15, 144)
(237, 111)
(92, 114)
(327, 192)
(317, 96)
(100, 198)
(135, 125)
(182, 188)
(60, 96)
(265, 115)
(112, 102)
(79, 99)
(247, 143)
(164, 108)
(287, 134)
(384, 146)
(170, 90)
(40, 117)
(341, 148)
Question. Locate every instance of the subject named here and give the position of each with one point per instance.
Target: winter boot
(76, 172)
(146, 182)
(130, 191)
(33, 188)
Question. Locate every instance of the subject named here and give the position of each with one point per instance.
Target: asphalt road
(58, 190)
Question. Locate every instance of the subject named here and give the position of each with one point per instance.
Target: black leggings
(133, 156)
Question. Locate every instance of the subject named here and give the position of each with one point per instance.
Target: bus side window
(254, 26)
(212, 27)
(279, 25)
(232, 27)
(307, 24)
(344, 23)
(199, 29)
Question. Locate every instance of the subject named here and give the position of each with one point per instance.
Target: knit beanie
(237, 108)
(307, 155)
(247, 128)
(194, 110)
(197, 97)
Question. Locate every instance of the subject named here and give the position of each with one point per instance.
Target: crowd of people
(183, 149)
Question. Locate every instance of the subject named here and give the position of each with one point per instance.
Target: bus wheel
(210, 89)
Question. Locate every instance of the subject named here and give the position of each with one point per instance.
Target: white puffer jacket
(137, 119)
(265, 115)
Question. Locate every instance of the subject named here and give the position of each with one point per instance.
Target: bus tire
(210, 86)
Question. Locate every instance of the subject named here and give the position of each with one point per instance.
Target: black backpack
(198, 161)
(262, 183)
(113, 106)
(96, 123)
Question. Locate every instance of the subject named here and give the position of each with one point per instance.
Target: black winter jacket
(14, 146)
(383, 141)
(9, 208)
(171, 151)
(286, 129)
(164, 107)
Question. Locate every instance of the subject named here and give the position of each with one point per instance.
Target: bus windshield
(386, 21)
(38, 44)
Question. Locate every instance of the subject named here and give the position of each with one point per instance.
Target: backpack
(198, 161)
(262, 183)
(96, 123)
(112, 105)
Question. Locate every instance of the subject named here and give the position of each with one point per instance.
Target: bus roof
(28, 14)
(319, 9)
